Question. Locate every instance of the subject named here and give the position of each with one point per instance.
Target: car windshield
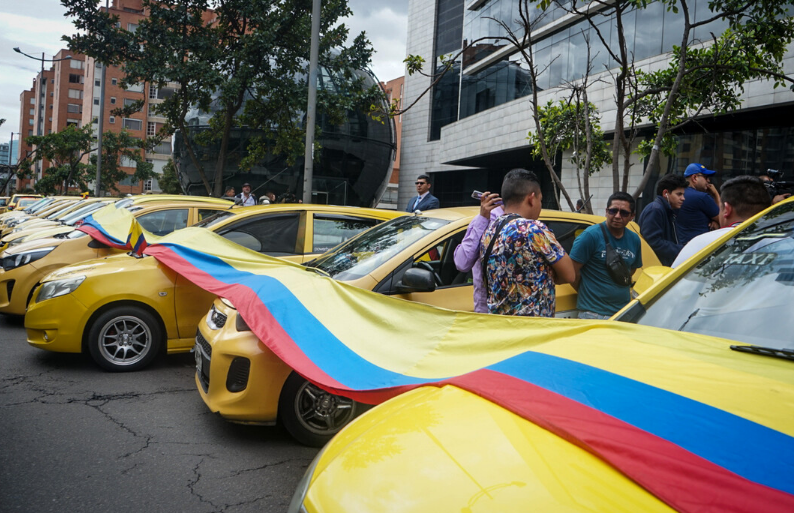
(214, 219)
(27, 202)
(38, 205)
(366, 252)
(743, 291)
(80, 213)
(61, 211)
(76, 234)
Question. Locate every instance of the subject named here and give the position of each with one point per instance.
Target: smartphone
(478, 196)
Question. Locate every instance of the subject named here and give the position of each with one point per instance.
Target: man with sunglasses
(424, 200)
(599, 296)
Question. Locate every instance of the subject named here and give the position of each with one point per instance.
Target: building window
(72, 107)
(147, 186)
(73, 122)
(76, 93)
(96, 101)
(52, 94)
(132, 27)
(129, 101)
(132, 124)
(30, 132)
(50, 106)
(32, 112)
(112, 119)
(151, 128)
(75, 79)
(135, 88)
(33, 101)
(113, 100)
(30, 121)
(75, 64)
(152, 92)
(113, 81)
(98, 83)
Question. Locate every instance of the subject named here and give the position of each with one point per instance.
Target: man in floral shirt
(526, 260)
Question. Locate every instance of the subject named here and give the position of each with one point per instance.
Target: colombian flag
(117, 228)
(699, 426)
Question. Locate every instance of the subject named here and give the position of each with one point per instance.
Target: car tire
(311, 415)
(124, 339)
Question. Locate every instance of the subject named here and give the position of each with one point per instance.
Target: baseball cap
(693, 169)
(246, 184)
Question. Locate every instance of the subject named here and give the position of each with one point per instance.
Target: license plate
(199, 358)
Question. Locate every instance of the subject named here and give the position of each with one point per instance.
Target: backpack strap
(488, 250)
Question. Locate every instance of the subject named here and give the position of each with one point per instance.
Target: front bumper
(56, 324)
(222, 382)
(15, 287)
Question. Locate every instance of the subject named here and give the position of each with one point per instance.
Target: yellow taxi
(20, 201)
(125, 310)
(54, 225)
(24, 265)
(684, 405)
(4, 203)
(20, 216)
(55, 218)
(238, 377)
(34, 207)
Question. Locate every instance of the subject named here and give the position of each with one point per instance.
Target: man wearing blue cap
(701, 204)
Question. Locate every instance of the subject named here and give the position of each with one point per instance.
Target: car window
(362, 255)
(3, 202)
(330, 231)
(742, 291)
(440, 260)
(566, 232)
(164, 222)
(27, 202)
(274, 235)
(216, 217)
(204, 213)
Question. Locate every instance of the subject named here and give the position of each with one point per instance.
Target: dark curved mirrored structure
(353, 167)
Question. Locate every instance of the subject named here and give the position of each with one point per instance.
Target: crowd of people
(246, 198)
(516, 261)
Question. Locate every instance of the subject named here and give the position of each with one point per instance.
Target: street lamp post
(311, 110)
(39, 128)
(98, 184)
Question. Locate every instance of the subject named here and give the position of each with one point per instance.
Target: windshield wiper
(688, 319)
(785, 354)
(316, 270)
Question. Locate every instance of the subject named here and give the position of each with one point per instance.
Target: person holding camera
(521, 258)
(603, 280)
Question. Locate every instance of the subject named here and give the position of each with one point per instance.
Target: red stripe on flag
(98, 235)
(676, 476)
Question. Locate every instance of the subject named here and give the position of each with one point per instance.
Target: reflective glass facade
(449, 31)
(563, 54)
(353, 167)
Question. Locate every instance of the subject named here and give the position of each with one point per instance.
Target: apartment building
(472, 128)
(69, 94)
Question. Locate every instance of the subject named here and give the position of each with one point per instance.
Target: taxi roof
(340, 209)
(148, 198)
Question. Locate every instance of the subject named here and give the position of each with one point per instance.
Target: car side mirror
(647, 276)
(416, 280)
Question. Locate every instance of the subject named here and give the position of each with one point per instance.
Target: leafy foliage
(65, 151)
(169, 183)
(221, 53)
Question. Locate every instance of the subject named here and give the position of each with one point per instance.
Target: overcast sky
(36, 26)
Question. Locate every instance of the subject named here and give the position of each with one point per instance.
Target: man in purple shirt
(467, 254)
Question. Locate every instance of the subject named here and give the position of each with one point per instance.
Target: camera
(775, 185)
(478, 196)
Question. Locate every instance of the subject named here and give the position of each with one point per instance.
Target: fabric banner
(681, 414)
(117, 228)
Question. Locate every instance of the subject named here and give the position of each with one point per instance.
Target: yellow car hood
(33, 244)
(103, 267)
(445, 449)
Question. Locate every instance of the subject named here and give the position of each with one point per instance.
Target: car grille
(237, 379)
(206, 350)
(217, 319)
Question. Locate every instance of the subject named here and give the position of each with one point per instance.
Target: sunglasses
(614, 212)
(420, 183)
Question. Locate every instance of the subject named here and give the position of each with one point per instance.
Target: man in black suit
(424, 200)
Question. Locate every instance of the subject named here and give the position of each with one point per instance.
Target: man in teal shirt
(599, 296)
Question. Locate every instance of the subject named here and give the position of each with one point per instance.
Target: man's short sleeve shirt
(519, 269)
(597, 292)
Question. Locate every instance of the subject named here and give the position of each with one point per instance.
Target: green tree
(169, 182)
(221, 53)
(66, 151)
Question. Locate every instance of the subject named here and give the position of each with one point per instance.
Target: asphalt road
(74, 438)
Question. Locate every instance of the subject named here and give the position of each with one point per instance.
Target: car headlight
(296, 504)
(26, 257)
(57, 288)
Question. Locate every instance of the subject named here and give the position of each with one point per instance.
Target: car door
(566, 231)
(454, 289)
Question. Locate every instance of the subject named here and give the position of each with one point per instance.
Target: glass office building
(353, 167)
(488, 78)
